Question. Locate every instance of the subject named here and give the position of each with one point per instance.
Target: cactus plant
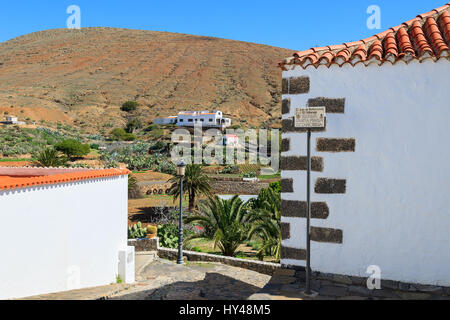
(151, 231)
(136, 232)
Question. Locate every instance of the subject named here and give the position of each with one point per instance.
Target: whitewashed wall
(396, 210)
(62, 237)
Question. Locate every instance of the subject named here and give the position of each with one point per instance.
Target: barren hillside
(82, 77)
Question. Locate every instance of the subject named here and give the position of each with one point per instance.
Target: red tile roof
(425, 37)
(15, 178)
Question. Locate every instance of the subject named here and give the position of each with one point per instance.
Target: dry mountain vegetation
(82, 77)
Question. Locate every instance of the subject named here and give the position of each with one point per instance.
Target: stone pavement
(165, 280)
(160, 279)
(289, 285)
(96, 293)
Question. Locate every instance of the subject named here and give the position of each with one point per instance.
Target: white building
(206, 119)
(230, 140)
(61, 229)
(166, 120)
(381, 170)
(12, 120)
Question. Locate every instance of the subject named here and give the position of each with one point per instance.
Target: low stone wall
(237, 187)
(258, 266)
(357, 286)
(144, 244)
(172, 254)
(154, 187)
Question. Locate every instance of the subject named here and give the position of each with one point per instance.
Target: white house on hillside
(207, 119)
(12, 120)
(62, 229)
(381, 170)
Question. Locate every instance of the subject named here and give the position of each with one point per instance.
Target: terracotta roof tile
(13, 178)
(427, 35)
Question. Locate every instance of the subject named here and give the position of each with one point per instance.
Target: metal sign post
(309, 118)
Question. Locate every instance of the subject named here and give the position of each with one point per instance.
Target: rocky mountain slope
(81, 77)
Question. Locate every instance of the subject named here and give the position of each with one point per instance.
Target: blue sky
(295, 25)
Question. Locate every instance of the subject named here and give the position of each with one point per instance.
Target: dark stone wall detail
(297, 85)
(301, 163)
(287, 185)
(285, 145)
(286, 106)
(288, 125)
(285, 231)
(293, 253)
(330, 186)
(331, 105)
(335, 145)
(326, 235)
(297, 209)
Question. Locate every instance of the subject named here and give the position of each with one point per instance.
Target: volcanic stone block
(286, 106)
(331, 105)
(297, 85)
(297, 209)
(293, 253)
(285, 231)
(287, 185)
(330, 186)
(285, 145)
(326, 235)
(288, 125)
(335, 145)
(301, 163)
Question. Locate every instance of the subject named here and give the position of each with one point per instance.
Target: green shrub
(120, 134)
(168, 236)
(94, 146)
(129, 106)
(250, 175)
(73, 148)
(133, 124)
(275, 186)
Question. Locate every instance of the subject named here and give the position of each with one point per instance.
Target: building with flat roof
(206, 119)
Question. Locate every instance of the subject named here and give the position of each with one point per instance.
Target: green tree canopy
(195, 183)
(120, 134)
(73, 148)
(129, 106)
(133, 124)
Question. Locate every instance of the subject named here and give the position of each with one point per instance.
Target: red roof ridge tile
(425, 36)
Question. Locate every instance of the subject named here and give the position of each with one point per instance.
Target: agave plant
(49, 157)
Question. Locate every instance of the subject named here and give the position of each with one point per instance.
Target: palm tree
(223, 221)
(50, 157)
(133, 188)
(195, 183)
(265, 220)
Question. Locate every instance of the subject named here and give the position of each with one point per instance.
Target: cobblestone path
(165, 280)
